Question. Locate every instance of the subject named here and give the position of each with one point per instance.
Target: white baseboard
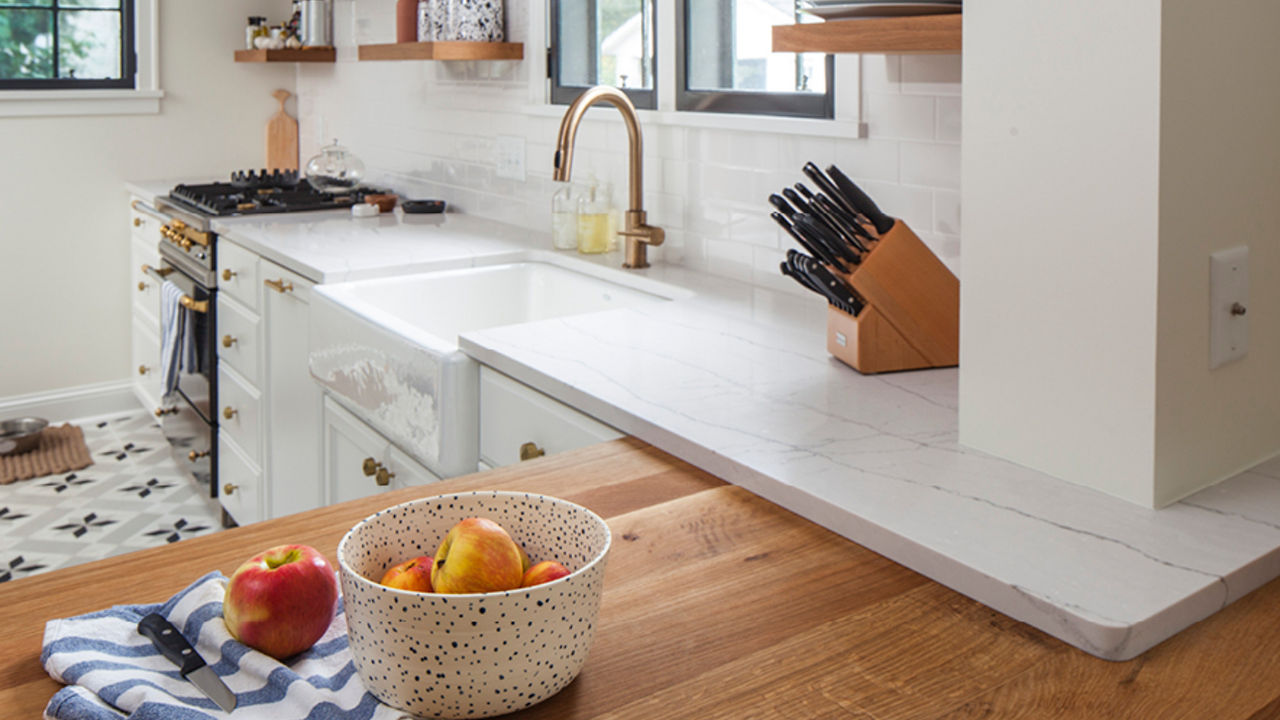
(73, 402)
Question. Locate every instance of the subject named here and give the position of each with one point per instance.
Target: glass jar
(335, 169)
(595, 220)
(564, 218)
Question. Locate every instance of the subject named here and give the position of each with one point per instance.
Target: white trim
(73, 402)
(144, 100)
(723, 121)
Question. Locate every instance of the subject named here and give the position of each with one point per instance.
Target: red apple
(544, 572)
(281, 600)
(525, 562)
(412, 575)
(477, 556)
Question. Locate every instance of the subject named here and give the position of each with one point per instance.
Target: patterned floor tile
(134, 496)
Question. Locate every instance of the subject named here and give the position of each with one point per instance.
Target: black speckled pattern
(472, 656)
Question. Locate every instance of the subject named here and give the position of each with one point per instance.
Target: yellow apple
(477, 556)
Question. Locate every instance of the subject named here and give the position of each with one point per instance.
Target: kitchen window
(603, 42)
(726, 63)
(66, 44)
(78, 57)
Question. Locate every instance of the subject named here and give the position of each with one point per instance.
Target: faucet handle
(647, 234)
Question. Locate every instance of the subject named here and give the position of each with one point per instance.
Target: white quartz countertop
(737, 381)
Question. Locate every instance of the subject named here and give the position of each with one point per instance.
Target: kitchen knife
(864, 204)
(794, 267)
(841, 229)
(806, 192)
(800, 203)
(814, 247)
(177, 650)
(852, 229)
(825, 184)
(838, 290)
(818, 232)
(781, 203)
(800, 278)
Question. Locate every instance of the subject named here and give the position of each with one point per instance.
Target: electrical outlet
(509, 150)
(1228, 305)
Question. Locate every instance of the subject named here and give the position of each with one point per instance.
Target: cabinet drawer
(512, 414)
(285, 283)
(144, 226)
(238, 273)
(406, 471)
(146, 363)
(238, 338)
(240, 488)
(239, 411)
(144, 288)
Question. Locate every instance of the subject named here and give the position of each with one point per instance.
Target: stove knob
(178, 225)
(186, 244)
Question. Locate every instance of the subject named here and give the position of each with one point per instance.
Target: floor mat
(61, 448)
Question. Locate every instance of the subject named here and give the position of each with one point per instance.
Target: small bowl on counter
(480, 654)
(386, 202)
(20, 435)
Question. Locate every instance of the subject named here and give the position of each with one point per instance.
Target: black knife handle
(170, 643)
(861, 200)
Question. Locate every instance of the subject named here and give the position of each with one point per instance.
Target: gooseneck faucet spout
(638, 233)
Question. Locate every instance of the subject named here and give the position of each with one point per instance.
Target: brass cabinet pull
(228, 341)
(383, 478)
(228, 274)
(281, 286)
(229, 488)
(229, 412)
(137, 222)
(529, 451)
(370, 466)
(142, 287)
(200, 306)
(161, 412)
(143, 369)
(374, 469)
(195, 455)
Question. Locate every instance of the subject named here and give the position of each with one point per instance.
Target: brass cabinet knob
(228, 274)
(370, 466)
(228, 341)
(529, 451)
(143, 369)
(229, 488)
(161, 412)
(195, 455)
(281, 286)
(142, 287)
(383, 478)
(137, 222)
(229, 412)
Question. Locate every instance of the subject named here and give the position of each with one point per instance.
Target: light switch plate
(509, 150)
(1228, 305)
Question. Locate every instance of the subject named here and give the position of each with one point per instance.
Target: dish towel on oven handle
(172, 335)
(112, 672)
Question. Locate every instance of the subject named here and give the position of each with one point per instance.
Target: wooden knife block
(911, 318)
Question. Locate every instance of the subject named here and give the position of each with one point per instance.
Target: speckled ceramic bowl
(479, 655)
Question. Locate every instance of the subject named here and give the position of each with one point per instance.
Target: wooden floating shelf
(299, 55)
(917, 34)
(444, 50)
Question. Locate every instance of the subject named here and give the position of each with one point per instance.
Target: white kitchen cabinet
(519, 423)
(145, 308)
(359, 462)
(240, 488)
(293, 408)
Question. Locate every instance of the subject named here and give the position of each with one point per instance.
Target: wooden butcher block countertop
(718, 604)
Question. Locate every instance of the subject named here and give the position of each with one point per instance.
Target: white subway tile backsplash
(428, 129)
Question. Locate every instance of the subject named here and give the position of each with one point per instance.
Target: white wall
(429, 128)
(64, 239)
(1219, 188)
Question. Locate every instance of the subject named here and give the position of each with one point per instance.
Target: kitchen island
(718, 603)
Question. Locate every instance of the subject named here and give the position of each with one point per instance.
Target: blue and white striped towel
(112, 672)
(173, 326)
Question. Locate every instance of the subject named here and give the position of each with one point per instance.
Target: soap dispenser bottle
(564, 218)
(595, 232)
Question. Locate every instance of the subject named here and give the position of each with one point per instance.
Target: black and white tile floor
(133, 496)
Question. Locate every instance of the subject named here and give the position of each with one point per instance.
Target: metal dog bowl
(20, 434)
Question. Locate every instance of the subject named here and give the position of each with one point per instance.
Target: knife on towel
(177, 650)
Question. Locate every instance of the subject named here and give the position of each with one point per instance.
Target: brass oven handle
(529, 451)
(159, 273)
(229, 412)
(200, 306)
(228, 341)
(229, 488)
(195, 455)
(281, 286)
(228, 274)
(161, 412)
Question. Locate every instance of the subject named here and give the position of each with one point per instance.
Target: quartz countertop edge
(1106, 576)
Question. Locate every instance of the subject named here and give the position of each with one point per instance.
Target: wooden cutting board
(282, 137)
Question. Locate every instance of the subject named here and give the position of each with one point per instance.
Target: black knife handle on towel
(170, 643)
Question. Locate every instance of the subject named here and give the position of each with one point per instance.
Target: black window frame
(746, 102)
(564, 94)
(128, 79)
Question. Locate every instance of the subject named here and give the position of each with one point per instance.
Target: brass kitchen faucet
(638, 233)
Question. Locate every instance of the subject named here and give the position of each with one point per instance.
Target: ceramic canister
(476, 20)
